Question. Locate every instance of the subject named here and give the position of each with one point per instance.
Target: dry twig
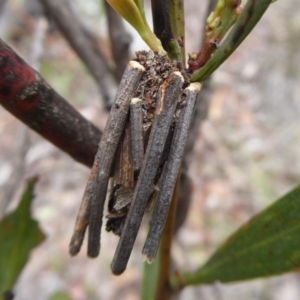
(26, 95)
(137, 143)
(107, 149)
(95, 193)
(170, 173)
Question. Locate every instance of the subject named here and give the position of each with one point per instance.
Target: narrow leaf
(265, 246)
(129, 10)
(140, 5)
(251, 14)
(132, 11)
(19, 234)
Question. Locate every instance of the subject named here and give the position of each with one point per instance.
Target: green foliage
(19, 234)
(221, 19)
(251, 14)
(178, 24)
(267, 245)
(133, 12)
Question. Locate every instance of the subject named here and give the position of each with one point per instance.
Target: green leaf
(251, 14)
(265, 246)
(133, 12)
(140, 5)
(19, 234)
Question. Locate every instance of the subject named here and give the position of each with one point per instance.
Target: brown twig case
(140, 153)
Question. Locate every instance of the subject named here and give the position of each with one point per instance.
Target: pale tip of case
(135, 100)
(195, 87)
(136, 65)
(177, 73)
(147, 259)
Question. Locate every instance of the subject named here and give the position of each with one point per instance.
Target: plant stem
(176, 8)
(26, 95)
(251, 14)
(163, 28)
(163, 290)
(150, 279)
(218, 23)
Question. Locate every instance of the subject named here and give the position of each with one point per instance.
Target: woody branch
(26, 95)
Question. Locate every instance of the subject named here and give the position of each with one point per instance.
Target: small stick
(107, 149)
(137, 142)
(27, 96)
(91, 209)
(123, 185)
(168, 95)
(170, 173)
(123, 174)
(82, 217)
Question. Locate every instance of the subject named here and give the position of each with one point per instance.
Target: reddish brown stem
(26, 95)
(196, 61)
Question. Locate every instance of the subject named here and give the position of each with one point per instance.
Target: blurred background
(246, 154)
